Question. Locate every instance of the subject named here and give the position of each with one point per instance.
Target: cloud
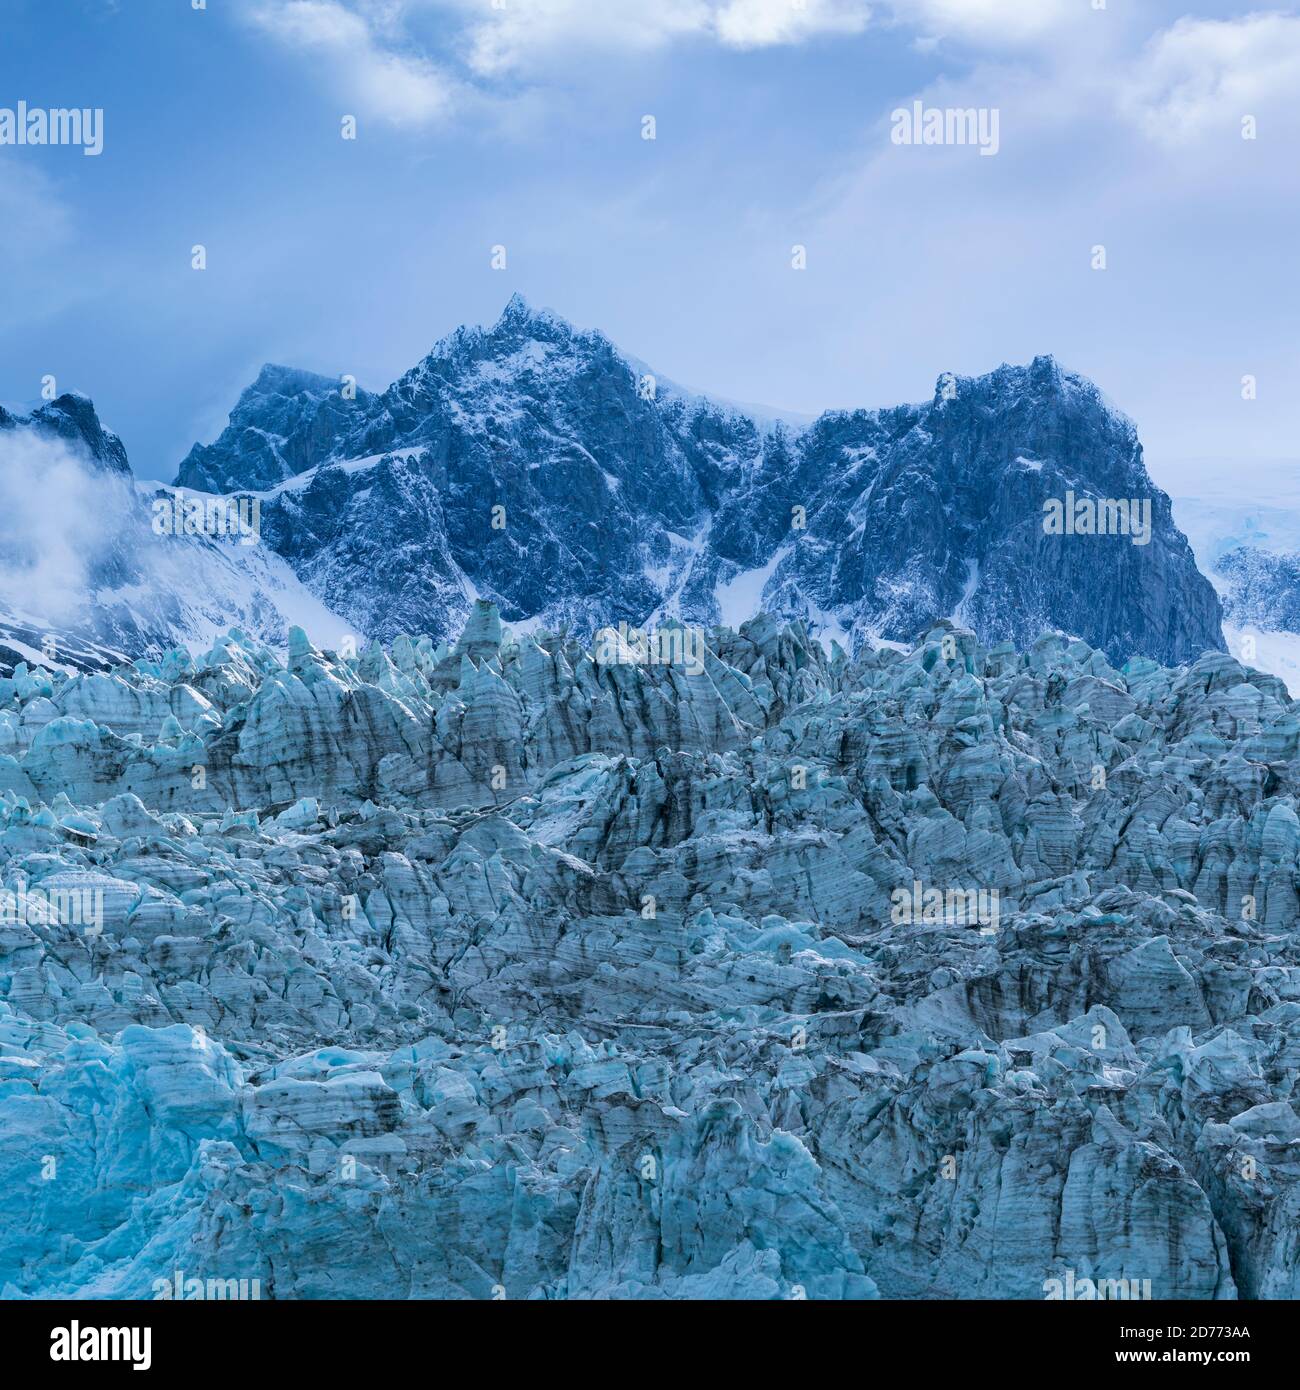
(369, 43)
(33, 217)
(1204, 75)
(532, 36)
(992, 23)
(61, 518)
(373, 74)
(761, 23)
(412, 63)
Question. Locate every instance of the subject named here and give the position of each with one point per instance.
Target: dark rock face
(532, 417)
(944, 511)
(628, 499)
(1262, 588)
(72, 417)
(276, 427)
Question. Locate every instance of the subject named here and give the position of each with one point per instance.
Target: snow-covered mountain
(86, 580)
(1261, 587)
(536, 465)
(1260, 591)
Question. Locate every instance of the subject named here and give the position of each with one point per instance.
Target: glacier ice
(475, 969)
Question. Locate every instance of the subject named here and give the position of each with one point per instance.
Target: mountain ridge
(628, 500)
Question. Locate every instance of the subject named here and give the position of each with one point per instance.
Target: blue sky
(518, 122)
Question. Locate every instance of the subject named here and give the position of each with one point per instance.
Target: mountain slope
(276, 426)
(86, 579)
(535, 465)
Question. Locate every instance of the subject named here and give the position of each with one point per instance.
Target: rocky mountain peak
(72, 417)
(622, 497)
(277, 380)
(520, 316)
(277, 429)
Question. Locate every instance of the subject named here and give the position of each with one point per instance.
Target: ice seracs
(481, 968)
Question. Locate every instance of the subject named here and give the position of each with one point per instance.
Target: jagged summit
(628, 498)
(518, 313)
(517, 307)
(278, 380)
(537, 466)
(72, 418)
(1043, 379)
(273, 432)
(517, 324)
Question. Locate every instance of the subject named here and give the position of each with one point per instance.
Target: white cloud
(993, 23)
(379, 79)
(33, 218)
(759, 23)
(365, 41)
(530, 36)
(59, 520)
(1203, 75)
(1190, 75)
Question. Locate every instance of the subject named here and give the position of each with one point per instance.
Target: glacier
(477, 968)
(1244, 528)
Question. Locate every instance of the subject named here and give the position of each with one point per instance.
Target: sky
(521, 123)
